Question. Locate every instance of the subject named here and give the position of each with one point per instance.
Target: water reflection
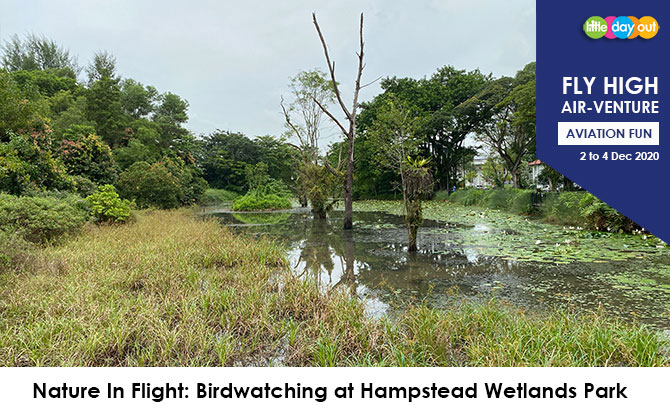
(372, 261)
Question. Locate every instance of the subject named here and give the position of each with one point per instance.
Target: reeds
(174, 290)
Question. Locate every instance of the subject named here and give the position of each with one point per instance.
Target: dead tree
(350, 114)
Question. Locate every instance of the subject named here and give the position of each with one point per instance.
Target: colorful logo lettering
(595, 27)
(621, 27)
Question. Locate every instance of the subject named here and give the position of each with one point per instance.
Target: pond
(472, 253)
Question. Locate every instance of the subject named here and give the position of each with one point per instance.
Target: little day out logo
(622, 27)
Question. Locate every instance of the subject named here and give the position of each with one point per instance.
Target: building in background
(536, 168)
(477, 179)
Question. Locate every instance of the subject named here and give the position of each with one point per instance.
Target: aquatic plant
(564, 208)
(255, 200)
(520, 238)
(174, 290)
(417, 184)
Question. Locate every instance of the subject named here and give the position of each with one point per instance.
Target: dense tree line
(61, 130)
(59, 133)
(225, 158)
(442, 111)
(65, 127)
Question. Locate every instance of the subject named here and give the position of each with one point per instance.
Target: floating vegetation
(517, 238)
(626, 274)
(474, 253)
(653, 278)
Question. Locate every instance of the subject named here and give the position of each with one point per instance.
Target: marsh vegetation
(475, 254)
(175, 289)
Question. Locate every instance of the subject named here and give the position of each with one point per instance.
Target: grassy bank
(217, 197)
(565, 208)
(171, 289)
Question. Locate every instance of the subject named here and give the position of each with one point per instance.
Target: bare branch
(331, 67)
(361, 65)
(296, 147)
(288, 120)
(370, 83)
(330, 168)
(339, 158)
(357, 89)
(332, 117)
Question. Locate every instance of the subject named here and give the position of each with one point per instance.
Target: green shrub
(216, 197)
(107, 206)
(150, 185)
(166, 184)
(83, 185)
(40, 219)
(265, 193)
(275, 187)
(600, 216)
(564, 208)
(520, 201)
(256, 200)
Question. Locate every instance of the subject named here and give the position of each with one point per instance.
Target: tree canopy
(57, 133)
(442, 123)
(61, 132)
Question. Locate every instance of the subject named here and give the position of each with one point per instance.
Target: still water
(526, 263)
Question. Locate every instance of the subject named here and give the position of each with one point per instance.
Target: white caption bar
(130, 390)
(608, 134)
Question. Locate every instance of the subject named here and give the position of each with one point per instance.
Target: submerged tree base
(172, 289)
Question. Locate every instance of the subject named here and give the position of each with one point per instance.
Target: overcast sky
(232, 59)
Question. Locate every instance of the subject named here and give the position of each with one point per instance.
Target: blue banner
(602, 102)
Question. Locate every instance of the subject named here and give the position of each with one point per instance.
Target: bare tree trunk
(349, 192)
(319, 213)
(349, 259)
(351, 117)
(412, 231)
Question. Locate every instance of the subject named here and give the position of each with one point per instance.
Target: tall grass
(171, 289)
(584, 209)
(513, 200)
(217, 197)
(565, 208)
